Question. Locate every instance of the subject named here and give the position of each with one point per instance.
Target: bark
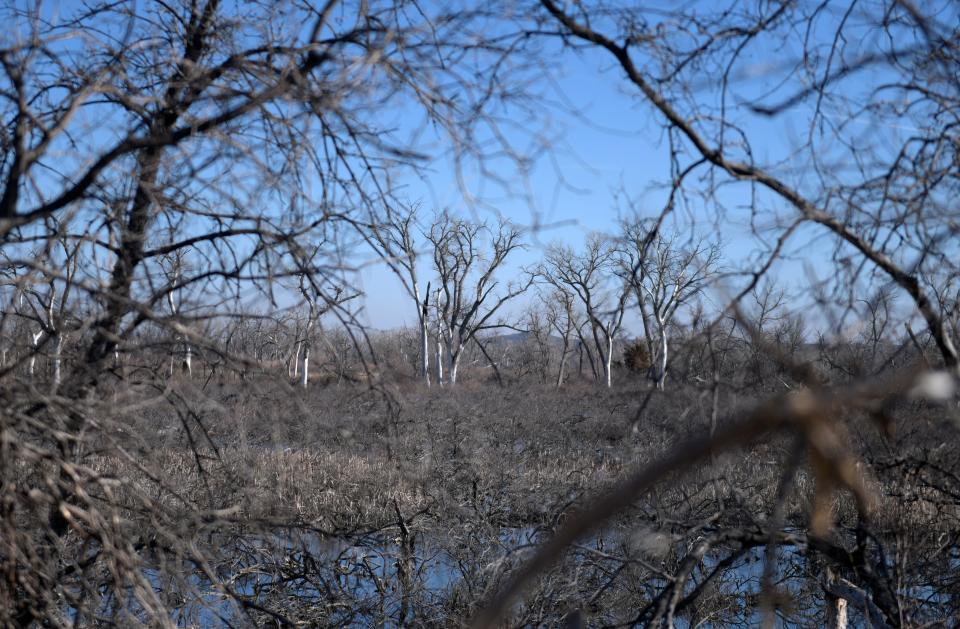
(840, 595)
(34, 346)
(607, 363)
(836, 612)
(454, 366)
(424, 333)
(57, 353)
(306, 365)
(424, 351)
(439, 353)
(563, 361)
(296, 361)
(662, 359)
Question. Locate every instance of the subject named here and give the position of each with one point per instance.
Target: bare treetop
(869, 85)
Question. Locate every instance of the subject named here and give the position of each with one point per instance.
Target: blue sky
(618, 143)
(615, 145)
(568, 204)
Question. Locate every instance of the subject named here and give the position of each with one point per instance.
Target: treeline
(561, 318)
(529, 349)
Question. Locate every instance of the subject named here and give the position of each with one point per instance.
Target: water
(375, 578)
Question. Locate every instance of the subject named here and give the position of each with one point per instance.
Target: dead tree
(467, 255)
(47, 288)
(238, 136)
(321, 295)
(664, 276)
(173, 268)
(392, 236)
(562, 318)
(592, 277)
(875, 196)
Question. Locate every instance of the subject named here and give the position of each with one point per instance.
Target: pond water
(379, 579)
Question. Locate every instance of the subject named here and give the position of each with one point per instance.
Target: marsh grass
(331, 507)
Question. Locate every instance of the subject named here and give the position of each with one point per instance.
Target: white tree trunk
(306, 365)
(439, 362)
(34, 343)
(296, 360)
(454, 366)
(608, 362)
(57, 351)
(188, 361)
(836, 613)
(424, 351)
(662, 368)
(563, 364)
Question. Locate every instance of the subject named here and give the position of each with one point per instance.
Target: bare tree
(592, 276)
(886, 210)
(235, 134)
(317, 305)
(393, 238)
(239, 134)
(664, 277)
(321, 293)
(865, 96)
(466, 258)
(48, 296)
(561, 316)
(173, 269)
(534, 353)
